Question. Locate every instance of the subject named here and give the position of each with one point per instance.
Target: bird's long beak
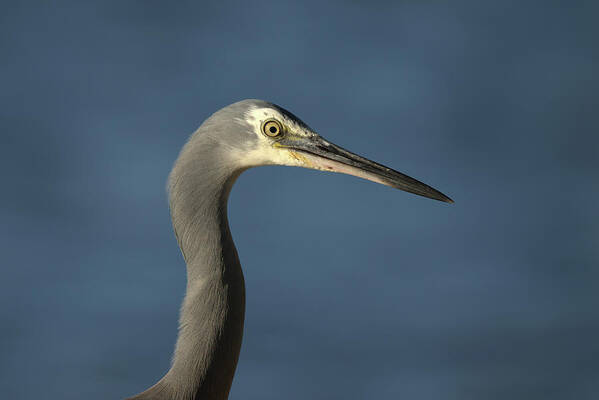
(320, 154)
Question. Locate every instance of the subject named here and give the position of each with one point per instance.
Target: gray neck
(212, 313)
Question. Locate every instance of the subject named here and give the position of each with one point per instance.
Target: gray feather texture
(212, 313)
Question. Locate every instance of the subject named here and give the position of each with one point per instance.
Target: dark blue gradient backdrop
(354, 290)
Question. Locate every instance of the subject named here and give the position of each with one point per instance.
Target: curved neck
(212, 313)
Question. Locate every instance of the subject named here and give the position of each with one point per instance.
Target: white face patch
(266, 151)
(256, 116)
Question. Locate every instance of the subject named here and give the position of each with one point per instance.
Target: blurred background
(362, 291)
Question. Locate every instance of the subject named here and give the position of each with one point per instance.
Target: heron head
(263, 133)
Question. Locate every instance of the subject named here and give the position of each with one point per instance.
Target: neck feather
(212, 313)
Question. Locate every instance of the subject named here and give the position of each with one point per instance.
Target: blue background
(354, 290)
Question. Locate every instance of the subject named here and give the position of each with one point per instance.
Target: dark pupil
(273, 129)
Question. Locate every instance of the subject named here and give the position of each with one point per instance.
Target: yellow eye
(272, 128)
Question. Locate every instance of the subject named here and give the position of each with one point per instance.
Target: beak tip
(441, 197)
(447, 200)
(430, 193)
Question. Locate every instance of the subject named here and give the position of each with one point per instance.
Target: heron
(245, 134)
